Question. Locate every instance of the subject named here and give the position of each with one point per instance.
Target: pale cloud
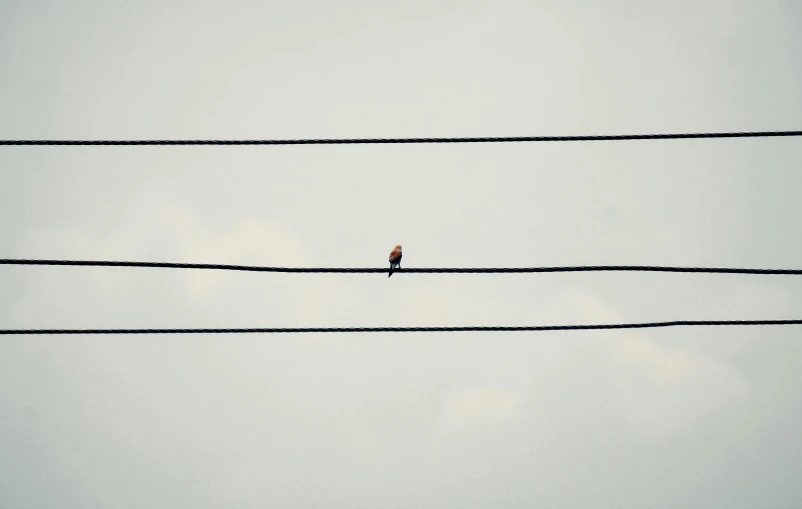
(656, 386)
(485, 407)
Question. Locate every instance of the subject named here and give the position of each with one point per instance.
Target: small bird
(395, 260)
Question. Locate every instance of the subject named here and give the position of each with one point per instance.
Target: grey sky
(660, 418)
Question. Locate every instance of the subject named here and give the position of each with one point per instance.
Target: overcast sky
(680, 417)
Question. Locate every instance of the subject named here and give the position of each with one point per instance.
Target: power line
(491, 270)
(538, 328)
(374, 141)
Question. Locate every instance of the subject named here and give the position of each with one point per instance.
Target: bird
(395, 260)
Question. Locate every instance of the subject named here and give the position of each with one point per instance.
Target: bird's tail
(391, 270)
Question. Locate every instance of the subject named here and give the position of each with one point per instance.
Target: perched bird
(395, 260)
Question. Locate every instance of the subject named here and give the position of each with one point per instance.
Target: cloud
(483, 407)
(656, 386)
